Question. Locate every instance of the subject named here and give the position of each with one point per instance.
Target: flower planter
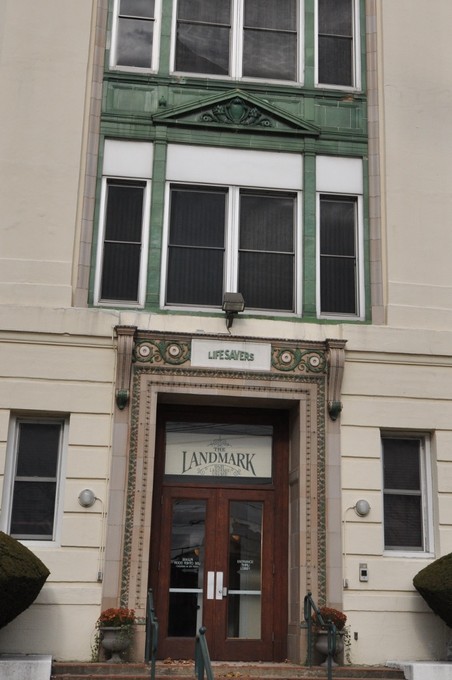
(321, 645)
(115, 639)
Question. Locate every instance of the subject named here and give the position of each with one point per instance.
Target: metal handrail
(309, 607)
(152, 633)
(202, 657)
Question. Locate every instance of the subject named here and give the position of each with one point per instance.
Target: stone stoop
(221, 671)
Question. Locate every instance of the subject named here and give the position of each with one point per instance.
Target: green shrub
(434, 583)
(22, 576)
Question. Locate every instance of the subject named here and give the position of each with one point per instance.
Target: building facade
(221, 315)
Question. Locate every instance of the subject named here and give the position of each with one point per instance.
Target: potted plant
(115, 630)
(329, 615)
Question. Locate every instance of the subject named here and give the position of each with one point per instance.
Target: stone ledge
(423, 670)
(25, 666)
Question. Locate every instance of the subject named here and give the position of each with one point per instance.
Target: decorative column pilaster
(336, 360)
(126, 337)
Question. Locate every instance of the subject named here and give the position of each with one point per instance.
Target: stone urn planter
(115, 631)
(115, 639)
(321, 645)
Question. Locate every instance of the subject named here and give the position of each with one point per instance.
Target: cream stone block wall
(415, 126)
(64, 630)
(43, 80)
(60, 372)
(400, 381)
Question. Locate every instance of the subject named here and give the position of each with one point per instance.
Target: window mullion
(232, 239)
(237, 38)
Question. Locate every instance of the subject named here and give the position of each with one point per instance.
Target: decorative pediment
(239, 111)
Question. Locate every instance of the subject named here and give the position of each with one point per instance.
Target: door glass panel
(187, 567)
(245, 573)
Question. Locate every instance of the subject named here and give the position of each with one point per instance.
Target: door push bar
(215, 588)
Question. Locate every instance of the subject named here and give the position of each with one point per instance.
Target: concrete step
(222, 671)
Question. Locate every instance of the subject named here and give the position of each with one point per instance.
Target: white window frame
(236, 48)
(356, 58)
(155, 43)
(340, 176)
(426, 494)
(233, 169)
(10, 475)
(125, 161)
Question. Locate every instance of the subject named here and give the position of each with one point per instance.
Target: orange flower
(116, 616)
(334, 615)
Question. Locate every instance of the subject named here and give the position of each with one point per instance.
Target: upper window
(135, 34)
(338, 261)
(238, 38)
(337, 43)
(406, 493)
(36, 462)
(340, 268)
(229, 236)
(123, 233)
(258, 227)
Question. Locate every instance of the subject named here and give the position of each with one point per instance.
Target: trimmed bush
(22, 576)
(434, 583)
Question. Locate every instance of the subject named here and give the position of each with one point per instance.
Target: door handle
(210, 585)
(215, 588)
(219, 588)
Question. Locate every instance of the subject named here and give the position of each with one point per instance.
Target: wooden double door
(223, 565)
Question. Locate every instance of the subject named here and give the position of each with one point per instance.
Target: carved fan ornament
(236, 112)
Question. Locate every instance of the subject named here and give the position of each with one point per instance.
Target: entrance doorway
(220, 533)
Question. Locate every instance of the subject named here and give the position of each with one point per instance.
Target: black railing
(202, 657)
(309, 607)
(152, 633)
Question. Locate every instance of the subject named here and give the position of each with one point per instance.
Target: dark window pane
(403, 522)
(122, 246)
(38, 449)
(280, 15)
(203, 32)
(338, 294)
(335, 61)
(337, 286)
(196, 246)
(124, 212)
(337, 227)
(195, 277)
(212, 12)
(137, 8)
(272, 51)
(401, 464)
(135, 43)
(336, 17)
(202, 49)
(266, 280)
(267, 54)
(33, 509)
(266, 250)
(267, 222)
(121, 271)
(336, 42)
(197, 217)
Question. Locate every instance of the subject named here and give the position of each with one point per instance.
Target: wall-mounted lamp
(362, 508)
(233, 303)
(86, 498)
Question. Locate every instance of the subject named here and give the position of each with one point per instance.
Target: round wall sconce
(86, 498)
(362, 508)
